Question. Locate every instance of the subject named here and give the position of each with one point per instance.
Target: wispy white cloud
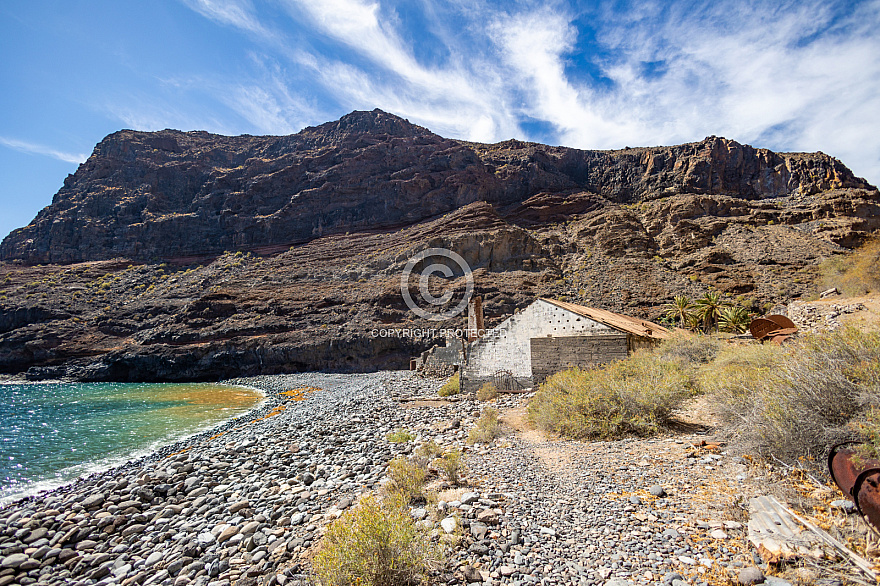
(38, 149)
(791, 75)
(237, 13)
(462, 97)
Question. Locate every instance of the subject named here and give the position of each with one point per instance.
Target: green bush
(487, 392)
(634, 396)
(451, 387)
(689, 350)
(400, 436)
(429, 450)
(408, 479)
(730, 378)
(855, 274)
(487, 428)
(451, 466)
(819, 390)
(375, 544)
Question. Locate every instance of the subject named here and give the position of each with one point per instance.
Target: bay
(52, 433)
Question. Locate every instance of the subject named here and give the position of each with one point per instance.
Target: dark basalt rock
(139, 289)
(170, 194)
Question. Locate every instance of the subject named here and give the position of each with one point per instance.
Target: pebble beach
(246, 502)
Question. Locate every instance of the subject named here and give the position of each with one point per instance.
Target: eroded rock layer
(185, 255)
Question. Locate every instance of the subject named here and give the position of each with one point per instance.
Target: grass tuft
(400, 436)
(375, 544)
(451, 387)
(487, 428)
(487, 392)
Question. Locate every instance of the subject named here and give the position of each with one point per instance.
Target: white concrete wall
(510, 348)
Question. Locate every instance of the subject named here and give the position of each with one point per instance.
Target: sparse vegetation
(400, 436)
(635, 396)
(408, 479)
(375, 544)
(855, 274)
(487, 392)
(451, 387)
(450, 465)
(487, 428)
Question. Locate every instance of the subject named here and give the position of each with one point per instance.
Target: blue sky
(794, 76)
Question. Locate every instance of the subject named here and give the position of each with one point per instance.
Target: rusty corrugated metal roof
(632, 325)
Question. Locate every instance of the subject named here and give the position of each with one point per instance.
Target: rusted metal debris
(775, 328)
(859, 479)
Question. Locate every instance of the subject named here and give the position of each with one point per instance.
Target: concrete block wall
(551, 355)
(508, 346)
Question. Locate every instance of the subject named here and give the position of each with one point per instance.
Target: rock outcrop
(190, 256)
(170, 194)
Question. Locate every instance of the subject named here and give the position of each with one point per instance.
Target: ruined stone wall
(551, 355)
(508, 346)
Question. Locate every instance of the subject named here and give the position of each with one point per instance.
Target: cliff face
(169, 194)
(320, 225)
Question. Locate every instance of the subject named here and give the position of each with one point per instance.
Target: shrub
(408, 479)
(487, 392)
(450, 465)
(451, 387)
(818, 392)
(855, 274)
(425, 453)
(730, 377)
(634, 396)
(375, 544)
(689, 350)
(487, 428)
(400, 436)
(429, 450)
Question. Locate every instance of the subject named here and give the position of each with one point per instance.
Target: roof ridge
(633, 325)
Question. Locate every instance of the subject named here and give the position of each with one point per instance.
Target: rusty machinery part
(772, 326)
(867, 491)
(760, 327)
(861, 483)
(781, 321)
(779, 337)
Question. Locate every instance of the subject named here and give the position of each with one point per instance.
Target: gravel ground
(245, 503)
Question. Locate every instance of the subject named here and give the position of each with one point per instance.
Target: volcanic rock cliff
(185, 255)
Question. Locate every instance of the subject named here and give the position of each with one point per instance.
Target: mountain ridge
(174, 256)
(164, 194)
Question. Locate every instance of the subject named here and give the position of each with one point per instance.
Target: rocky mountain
(185, 255)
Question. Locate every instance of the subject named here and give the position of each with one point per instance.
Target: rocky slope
(319, 225)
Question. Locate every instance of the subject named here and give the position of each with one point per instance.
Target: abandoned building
(549, 336)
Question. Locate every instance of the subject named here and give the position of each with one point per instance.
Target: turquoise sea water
(52, 433)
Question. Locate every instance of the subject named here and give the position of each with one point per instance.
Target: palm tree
(734, 319)
(679, 310)
(708, 309)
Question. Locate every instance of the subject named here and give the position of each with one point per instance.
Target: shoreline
(246, 506)
(132, 458)
(258, 486)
